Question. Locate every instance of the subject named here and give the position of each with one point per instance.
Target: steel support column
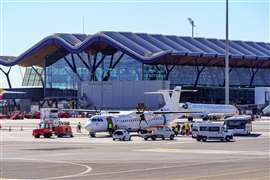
(168, 71)
(88, 66)
(39, 75)
(73, 67)
(254, 71)
(199, 71)
(112, 66)
(7, 76)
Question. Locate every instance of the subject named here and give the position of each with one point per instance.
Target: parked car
(122, 135)
(213, 131)
(155, 132)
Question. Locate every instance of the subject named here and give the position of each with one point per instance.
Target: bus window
(214, 129)
(203, 128)
(236, 124)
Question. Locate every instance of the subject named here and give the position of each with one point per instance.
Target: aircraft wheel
(171, 137)
(92, 134)
(204, 139)
(154, 138)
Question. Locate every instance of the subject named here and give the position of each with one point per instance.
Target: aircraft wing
(90, 111)
(80, 110)
(174, 112)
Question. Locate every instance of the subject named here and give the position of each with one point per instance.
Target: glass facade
(214, 76)
(60, 75)
(31, 78)
(63, 77)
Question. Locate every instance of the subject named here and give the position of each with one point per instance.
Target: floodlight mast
(227, 82)
(191, 21)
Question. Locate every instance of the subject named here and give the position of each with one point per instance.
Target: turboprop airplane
(140, 119)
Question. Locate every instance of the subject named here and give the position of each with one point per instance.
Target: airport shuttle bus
(239, 125)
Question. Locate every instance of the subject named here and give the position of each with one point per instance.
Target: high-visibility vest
(110, 125)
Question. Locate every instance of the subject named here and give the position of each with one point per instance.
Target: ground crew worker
(179, 127)
(187, 129)
(110, 128)
(79, 126)
(183, 130)
(176, 130)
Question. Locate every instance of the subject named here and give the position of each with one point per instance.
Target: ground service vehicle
(213, 131)
(239, 125)
(51, 125)
(155, 132)
(195, 129)
(122, 135)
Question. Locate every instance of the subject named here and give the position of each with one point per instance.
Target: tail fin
(171, 98)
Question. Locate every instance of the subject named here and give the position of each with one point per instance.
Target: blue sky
(26, 22)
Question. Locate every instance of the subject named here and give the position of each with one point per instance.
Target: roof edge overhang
(38, 53)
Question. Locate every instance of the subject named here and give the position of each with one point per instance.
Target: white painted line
(161, 168)
(87, 170)
(205, 151)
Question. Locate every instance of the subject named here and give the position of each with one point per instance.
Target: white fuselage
(126, 120)
(208, 109)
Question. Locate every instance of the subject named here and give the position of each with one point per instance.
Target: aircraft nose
(88, 125)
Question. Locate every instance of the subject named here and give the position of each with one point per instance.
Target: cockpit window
(97, 120)
(93, 120)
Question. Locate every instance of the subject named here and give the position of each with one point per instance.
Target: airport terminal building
(113, 69)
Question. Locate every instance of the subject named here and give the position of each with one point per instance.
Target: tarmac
(82, 157)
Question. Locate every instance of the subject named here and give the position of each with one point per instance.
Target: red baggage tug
(50, 125)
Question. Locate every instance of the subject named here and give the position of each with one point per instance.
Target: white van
(239, 125)
(195, 129)
(213, 131)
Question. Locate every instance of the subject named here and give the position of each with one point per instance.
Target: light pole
(192, 25)
(83, 24)
(227, 82)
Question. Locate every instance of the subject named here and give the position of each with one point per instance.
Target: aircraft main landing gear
(91, 134)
